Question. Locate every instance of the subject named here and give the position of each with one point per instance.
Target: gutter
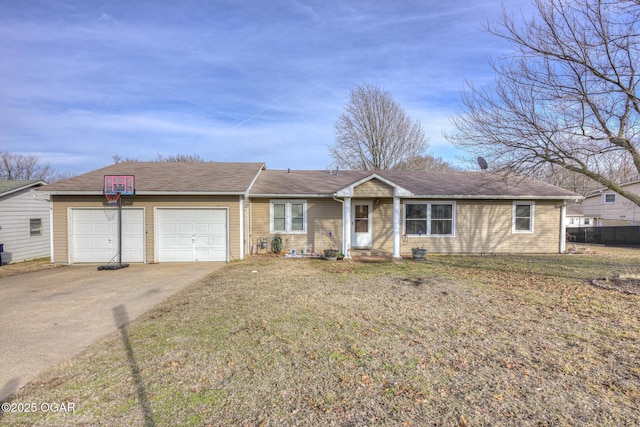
(291, 196)
(492, 197)
(150, 193)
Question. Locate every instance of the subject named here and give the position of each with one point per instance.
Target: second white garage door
(191, 234)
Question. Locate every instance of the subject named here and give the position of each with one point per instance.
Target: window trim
(609, 194)
(35, 231)
(288, 216)
(532, 216)
(427, 232)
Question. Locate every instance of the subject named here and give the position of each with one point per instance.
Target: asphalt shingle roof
(8, 186)
(318, 182)
(436, 184)
(168, 177)
(221, 178)
(478, 183)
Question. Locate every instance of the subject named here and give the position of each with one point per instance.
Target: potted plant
(419, 252)
(332, 253)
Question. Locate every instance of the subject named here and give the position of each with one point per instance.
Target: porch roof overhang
(398, 191)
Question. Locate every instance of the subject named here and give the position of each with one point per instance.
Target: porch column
(346, 227)
(396, 227)
(563, 229)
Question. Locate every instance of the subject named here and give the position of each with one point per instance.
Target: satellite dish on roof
(483, 163)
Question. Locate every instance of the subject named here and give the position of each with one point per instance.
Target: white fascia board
(151, 193)
(24, 187)
(490, 197)
(345, 192)
(189, 193)
(255, 178)
(289, 196)
(75, 193)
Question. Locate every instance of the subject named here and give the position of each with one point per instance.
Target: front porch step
(370, 253)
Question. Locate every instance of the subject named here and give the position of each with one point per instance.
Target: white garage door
(191, 234)
(94, 235)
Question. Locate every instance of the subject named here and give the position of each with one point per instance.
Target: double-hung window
(288, 216)
(523, 217)
(429, 219)
(35, 227)
(610, 198)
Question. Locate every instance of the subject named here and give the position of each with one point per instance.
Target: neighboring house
(24, 221)
(608, 209)
(575, 216)
(205, 211)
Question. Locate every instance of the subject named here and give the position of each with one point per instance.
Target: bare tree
(566, 96)
(15, 166)
(375, 133)
(180, 158)
(117, 158)
(161, 158)
(426, 163)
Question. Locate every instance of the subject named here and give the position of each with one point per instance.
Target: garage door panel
(203, 228)
(218, 241)
(94, 235)
(184, 241)
(191, 234)
(183, 228)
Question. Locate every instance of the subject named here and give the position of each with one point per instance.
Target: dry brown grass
(26, 267)
(499, 340)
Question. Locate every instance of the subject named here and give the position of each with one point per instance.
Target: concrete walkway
(52, 315)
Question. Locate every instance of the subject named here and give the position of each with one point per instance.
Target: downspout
(241, 226)
(51, 229)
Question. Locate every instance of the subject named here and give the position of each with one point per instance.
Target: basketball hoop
(112, 198)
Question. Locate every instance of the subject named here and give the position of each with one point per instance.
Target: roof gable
(12, 186)
(350, 190)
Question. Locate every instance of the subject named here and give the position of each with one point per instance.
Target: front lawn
(455, 341)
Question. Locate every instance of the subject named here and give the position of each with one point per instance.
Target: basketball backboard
(123, 184)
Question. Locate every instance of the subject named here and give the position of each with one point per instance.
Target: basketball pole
(119, 265)
(120, 230)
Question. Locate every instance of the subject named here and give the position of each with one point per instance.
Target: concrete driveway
(52, 315)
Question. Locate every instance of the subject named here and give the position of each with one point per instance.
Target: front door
(361, 225)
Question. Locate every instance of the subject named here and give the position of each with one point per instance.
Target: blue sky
(82, 80)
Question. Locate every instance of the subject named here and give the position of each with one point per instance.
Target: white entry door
(192, 234)
(361, 236)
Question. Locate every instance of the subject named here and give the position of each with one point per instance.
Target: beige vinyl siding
(373, 189)
(486, 227)
(323, 215)
(62, 204)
